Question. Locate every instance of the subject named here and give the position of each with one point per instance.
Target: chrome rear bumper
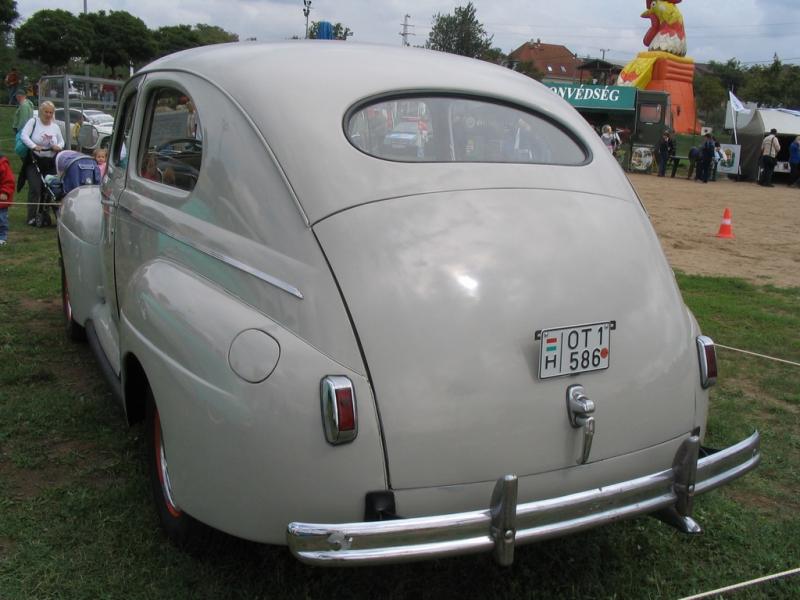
(506, 524)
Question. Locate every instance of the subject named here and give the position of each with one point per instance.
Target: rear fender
(79, 234)
(247, 452)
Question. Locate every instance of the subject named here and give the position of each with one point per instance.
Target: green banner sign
(600, 97)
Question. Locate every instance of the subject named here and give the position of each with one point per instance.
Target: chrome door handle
(579, 410)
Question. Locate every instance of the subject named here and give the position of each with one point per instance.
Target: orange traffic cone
(726, 228)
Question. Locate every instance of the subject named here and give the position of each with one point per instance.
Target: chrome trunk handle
(579, 409)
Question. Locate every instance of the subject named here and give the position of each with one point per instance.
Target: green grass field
(76, 519)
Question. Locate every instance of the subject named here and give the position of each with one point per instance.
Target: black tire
(74, 331)
(181, 529)
(46, 221)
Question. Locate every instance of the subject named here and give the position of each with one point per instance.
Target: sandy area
(766, 225)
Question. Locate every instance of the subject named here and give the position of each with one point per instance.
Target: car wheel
(181, 529)
(74, 332)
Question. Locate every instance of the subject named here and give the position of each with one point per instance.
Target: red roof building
(557, 62)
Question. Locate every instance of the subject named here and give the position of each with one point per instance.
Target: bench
(676, 161)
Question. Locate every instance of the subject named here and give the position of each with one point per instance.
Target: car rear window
(458, 129)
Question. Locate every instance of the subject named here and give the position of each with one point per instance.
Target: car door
(113, 186)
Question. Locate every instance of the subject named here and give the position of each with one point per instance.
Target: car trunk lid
(447, 292)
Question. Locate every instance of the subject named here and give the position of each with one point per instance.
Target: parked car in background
(407, 138)
(376, 357)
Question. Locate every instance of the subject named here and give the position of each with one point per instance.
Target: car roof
(303, 90)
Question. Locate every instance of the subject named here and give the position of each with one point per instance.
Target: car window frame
(129, 100)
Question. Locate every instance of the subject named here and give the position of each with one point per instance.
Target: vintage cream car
(373, 354)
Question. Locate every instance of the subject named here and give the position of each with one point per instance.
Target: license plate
(571, 350)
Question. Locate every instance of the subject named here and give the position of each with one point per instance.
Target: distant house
(598, 72)
(556, 62)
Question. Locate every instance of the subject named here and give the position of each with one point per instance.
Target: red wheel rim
(161, 468)
(65, 299)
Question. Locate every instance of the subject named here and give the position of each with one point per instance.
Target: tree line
(775, 85)
(114, 39)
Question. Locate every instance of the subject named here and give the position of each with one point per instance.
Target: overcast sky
(748, 30)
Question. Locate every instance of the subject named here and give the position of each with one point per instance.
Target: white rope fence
(781, 360)
(766, 578)
(743, 585)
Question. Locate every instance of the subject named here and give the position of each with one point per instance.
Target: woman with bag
(43, 138)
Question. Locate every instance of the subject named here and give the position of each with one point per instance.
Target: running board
(105, 366)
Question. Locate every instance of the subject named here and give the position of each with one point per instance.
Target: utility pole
(405, 33)
(85, 65)
(603, 52)
(306, 12)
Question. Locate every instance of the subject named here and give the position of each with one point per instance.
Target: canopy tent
(785, 121)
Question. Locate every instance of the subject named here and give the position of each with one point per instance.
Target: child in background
(7, 186)
(100, 155)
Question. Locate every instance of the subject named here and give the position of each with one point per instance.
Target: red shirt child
(7, 185)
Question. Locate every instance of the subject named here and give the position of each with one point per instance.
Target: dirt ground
(766, 225)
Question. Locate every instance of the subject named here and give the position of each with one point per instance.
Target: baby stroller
(73, 169)
(47, 199)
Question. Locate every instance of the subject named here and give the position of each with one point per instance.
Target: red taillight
(339, 414)
(345, 409)
(707, 356)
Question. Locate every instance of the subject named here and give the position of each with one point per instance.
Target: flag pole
(734, 114)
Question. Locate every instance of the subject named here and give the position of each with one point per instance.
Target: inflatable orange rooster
(665, 65)
(666, 33)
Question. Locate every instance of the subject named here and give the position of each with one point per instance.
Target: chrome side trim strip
(470, 532)
(236, 264)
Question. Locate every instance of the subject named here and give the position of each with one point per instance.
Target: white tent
(785, 121)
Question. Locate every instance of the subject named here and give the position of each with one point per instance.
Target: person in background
(74, 132)
(108, 92)
(794, 161)
(42, 136)
(706, 158)
(610, 139)
(101, 155)
(7, 185)
(666, 150)
(769, 157)
(193, 127)
(718, 157)
(12, 83)
(24, 112)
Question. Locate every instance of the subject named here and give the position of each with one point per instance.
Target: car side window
(122, 144)
(173, 143)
